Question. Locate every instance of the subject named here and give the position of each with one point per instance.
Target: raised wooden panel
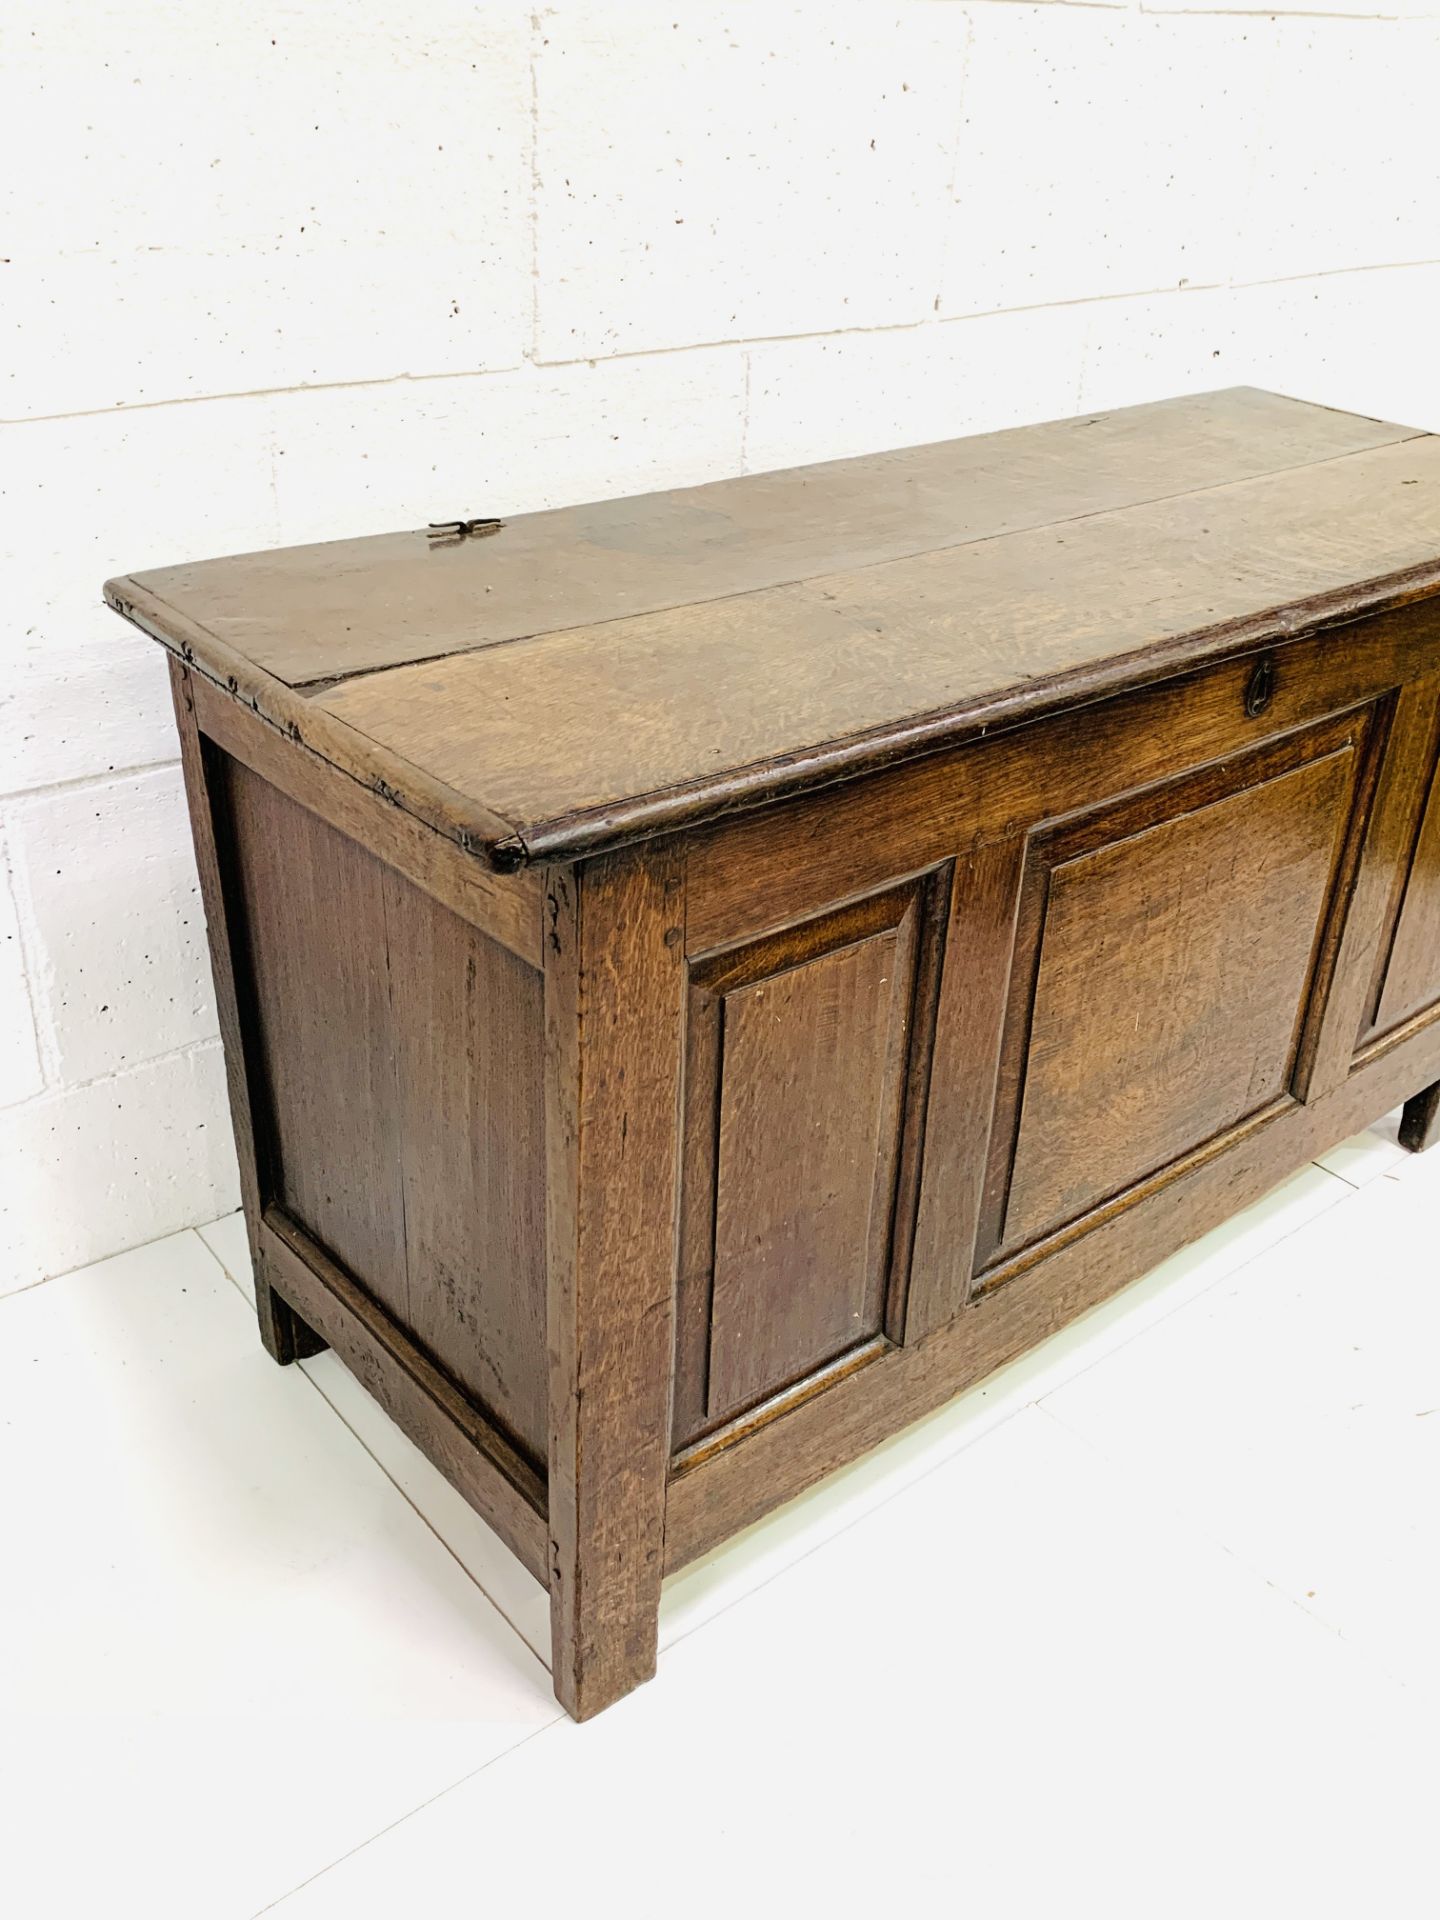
(399, 1089)
(312, 922)
(731, 1487)
(1165, 955)
(805, 1061)
(1412, 977)
(807, 1136)
(468, 1024)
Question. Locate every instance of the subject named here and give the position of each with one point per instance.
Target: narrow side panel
(469, 1024)
(808, 1107)
(807, 1063)
(1412, 978)
(314, 957)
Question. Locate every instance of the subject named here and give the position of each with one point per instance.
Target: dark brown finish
(311, 615)
(772, 1459)
(468, 1024)
(398, 1056)
(320, 1026)
(807, 1038)
(974, 992)
(854, 838)
(285, 1337)
(585, 738)
(1405, 736)
(813, 1057)
(1412, 978)
(1420, 1125)
(1101, 889)
(614, 990)
(1083, 554)
(1140, 926)
(507, 907)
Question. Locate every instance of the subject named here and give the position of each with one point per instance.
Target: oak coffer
(705, 977)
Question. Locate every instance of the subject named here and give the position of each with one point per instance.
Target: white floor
(1147, 1625)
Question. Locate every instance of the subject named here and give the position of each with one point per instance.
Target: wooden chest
(706, 977)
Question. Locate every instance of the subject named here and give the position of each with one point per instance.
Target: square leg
(283, 1334)
(614, 984)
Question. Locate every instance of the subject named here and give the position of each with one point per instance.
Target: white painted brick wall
(333, 266)
(104, 875)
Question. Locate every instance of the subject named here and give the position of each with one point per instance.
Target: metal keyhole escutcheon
(1261, 688)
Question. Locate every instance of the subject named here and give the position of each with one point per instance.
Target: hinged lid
(576, 679)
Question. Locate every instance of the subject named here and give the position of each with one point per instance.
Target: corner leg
(283, 1334)
(614, 1004)
(1420, 1127)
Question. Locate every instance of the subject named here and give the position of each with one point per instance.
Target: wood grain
(1207, 992)
(474, 1456)
(786, 1257)
(1407, 729)
(801, 1238)
(975, 872)
(955, 590)
(507, 907)
(731, 1487)
(351, 606)
(1173, 969)
(754, 873)
(634, 725)
(399, 1096)
(284, 1336)
(455, 816)
(975, 989)
(314, 916)
(614, 1022)
(1412, 976)
(467, 1028)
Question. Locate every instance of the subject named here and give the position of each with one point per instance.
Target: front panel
(1141, 957)
(1161, 980)
(804, 1062)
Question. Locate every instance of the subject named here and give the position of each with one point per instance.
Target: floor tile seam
(1187, 1525)
(389, 1477)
